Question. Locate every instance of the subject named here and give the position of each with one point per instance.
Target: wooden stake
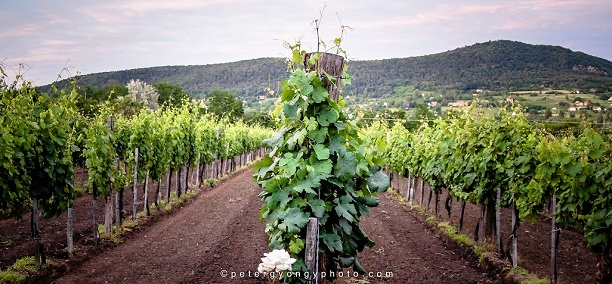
(422, 191)
(135, 195)
(69, 232)
(553, 242)
(329, 67)
(36, 233)
(108, 213)
(94, 207)
(408, 189)
(480, 225)
(146, 194)
(312, 248)
(498, 236)
(514, 237)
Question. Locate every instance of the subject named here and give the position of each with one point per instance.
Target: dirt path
(218, 230)
(219, 233)
(412, 252)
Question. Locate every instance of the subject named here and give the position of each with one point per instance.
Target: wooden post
(329, 67)
(118, 220)
(135, 196)
(312, 247)
(461, 217)
(412, 189)
(480, 234)
(331, 64)
(553, 242)
(169, 185)
(422, 190)
(94, 209)
(408, 188)
(108, 212)
(69, 231)
(197, 176)
(146, 195)
(498, 236)
(514, 237)
(36, 233)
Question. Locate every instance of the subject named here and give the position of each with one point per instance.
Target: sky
(45, 40)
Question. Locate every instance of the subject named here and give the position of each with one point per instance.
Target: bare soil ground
(218, 238)
(575, 263)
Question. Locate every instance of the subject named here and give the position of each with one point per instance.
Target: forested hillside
(494, 65)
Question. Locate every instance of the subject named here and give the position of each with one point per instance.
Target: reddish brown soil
(575, 263)
(219, 232)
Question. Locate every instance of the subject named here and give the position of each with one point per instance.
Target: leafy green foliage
(170, 94)
(223, 103)
(472, 154)
(318, 167)
(35, 153)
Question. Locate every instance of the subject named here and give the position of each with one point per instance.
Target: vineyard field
(210, 233)
(574, 260)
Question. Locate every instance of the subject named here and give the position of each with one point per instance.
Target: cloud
(113, 34)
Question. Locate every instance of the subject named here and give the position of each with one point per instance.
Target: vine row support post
(412, 185)
(69, 231)
(135, 196)
(498, 236)
(312, 246)
(118, 220)
(408, 189)
(146, 194)
(36, 233)
(332, 65)
(422, 190)
(554, 241)
(514, 237)
(197, 176)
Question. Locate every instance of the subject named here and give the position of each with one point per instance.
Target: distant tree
(563, 104)
(170, 95)
(89, 100)
(223, 103)
(259, 118)
(141, 92)
(419, 115)
(547, 113)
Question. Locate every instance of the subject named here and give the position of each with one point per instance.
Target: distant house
(596, 108)
(581, 104)
(510, 99)
(459, 104)
(571, 108)
(262, 97)
(432, 104)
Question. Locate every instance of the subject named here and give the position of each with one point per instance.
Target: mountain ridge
(495, 65)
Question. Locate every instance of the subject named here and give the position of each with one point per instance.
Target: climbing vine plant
(318, 166)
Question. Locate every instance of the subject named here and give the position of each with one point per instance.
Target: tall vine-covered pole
(329, 67)
(318, 167)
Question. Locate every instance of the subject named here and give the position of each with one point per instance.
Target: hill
(494, 65)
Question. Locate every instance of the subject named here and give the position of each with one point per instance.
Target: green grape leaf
(333, 242)
(347, 164)
(293, 220)
(296, 245)
(344, 208)
(321, 151)
(327, 116)
(318, 207)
